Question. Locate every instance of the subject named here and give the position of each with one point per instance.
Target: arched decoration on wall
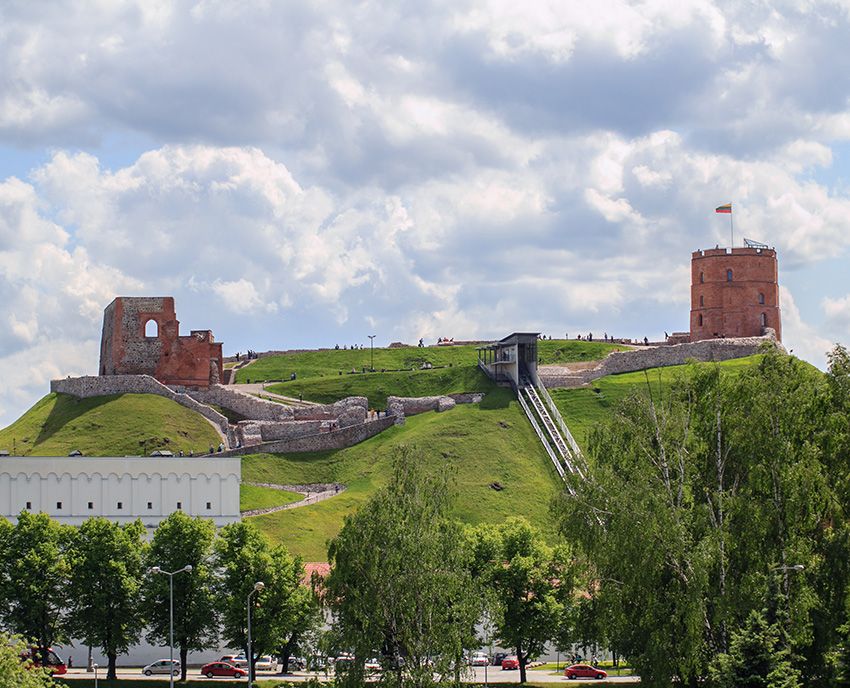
(152, 328)
(764, 319)
(761, 299)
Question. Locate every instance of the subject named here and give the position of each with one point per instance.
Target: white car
(236, 660)
(162, 666)
(266, 663)
(479, 659)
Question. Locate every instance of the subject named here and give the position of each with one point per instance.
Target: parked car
(372, 664)
(55, 664)
(498, 657)
(510, 662)
(162, 666)
(265, 663)
(222, 669)
(584, 671)
(479, 659)
(297, 664)
(236, 660)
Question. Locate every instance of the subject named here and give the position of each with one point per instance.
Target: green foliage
(531, 585)
(478, 443)
(17, 674)
(244, 557)
(331, 362)
(178, 541)
(697, 495)
(34, 593)
(400, 585)
(756, 658)
(104, 585)
(115, 425)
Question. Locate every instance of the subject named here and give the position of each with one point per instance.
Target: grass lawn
(256, 497)
(584, 407)
(475, 444)
(330, 362)
(378, 386)
(114, 425)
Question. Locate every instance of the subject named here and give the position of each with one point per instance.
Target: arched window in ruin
(701, 300)
(761, 299)
(151, 328)
(728, 275)
(699, 319)
(701, 277)
(764, 319)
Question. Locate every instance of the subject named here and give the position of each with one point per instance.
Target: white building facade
(72, 489)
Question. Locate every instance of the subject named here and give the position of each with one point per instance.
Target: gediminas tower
(734, 293)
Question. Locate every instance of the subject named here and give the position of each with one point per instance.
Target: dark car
(498, 657)
(222, 669)
(584, 671)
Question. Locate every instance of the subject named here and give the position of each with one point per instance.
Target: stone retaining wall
(98, 386)
(270, 432)
(657, 357)
(400, 407)
(245, 405)
(467, 397)
(324, 441)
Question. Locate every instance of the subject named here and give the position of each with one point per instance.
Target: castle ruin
(141, 336)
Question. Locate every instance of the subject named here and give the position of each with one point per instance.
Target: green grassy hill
(476, 444)
(310, 364)
(115, 425)
(583, 407)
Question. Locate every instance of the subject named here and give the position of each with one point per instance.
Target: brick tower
(734, 293)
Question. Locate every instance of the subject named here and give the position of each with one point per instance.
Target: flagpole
(732, 227)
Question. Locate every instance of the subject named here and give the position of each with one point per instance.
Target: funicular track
(553, 433)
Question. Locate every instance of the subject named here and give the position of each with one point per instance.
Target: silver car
(162, 666)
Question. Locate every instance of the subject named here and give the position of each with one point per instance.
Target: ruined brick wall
(191, 361)
(734, 293)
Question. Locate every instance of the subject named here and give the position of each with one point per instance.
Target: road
(476, 675)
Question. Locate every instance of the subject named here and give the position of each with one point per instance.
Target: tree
(180, 540)
(530, 582)
(244, 557)
(35, 580)
(304, 622)
(400, 585)
(695, 498)
(105, 585)
(17, 674)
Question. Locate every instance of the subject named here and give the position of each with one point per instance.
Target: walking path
(312, 494)
(258, 389)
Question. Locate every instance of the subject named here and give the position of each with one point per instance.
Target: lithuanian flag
(724, 208)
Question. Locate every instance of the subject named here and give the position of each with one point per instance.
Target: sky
(306, 174)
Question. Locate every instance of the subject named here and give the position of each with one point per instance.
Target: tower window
(150, 505)
(761, 299)
(29, 506)
(179, 505)
(699, 320)
(151, 328)
(58, 505)
(120, 505)
(764, 319)
(728, 275)
(91, 505)
(701, 300)
(701, 277)
(209, 506)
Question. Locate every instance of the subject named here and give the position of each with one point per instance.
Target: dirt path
(312, 494)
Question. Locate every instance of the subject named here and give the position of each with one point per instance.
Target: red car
(222, 669)
(584, 671)
(54, 663)
(510, 662)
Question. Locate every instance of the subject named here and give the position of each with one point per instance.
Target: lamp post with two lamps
(258, 586)
(171, 574)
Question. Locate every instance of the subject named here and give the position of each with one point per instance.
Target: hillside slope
(476, 444)
(114, 425)
(329, 362)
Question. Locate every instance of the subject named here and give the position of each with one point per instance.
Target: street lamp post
(171, 574)
(258, 586)
(94, 666)
(372, 351)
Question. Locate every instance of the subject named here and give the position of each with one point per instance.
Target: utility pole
(372, 352)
